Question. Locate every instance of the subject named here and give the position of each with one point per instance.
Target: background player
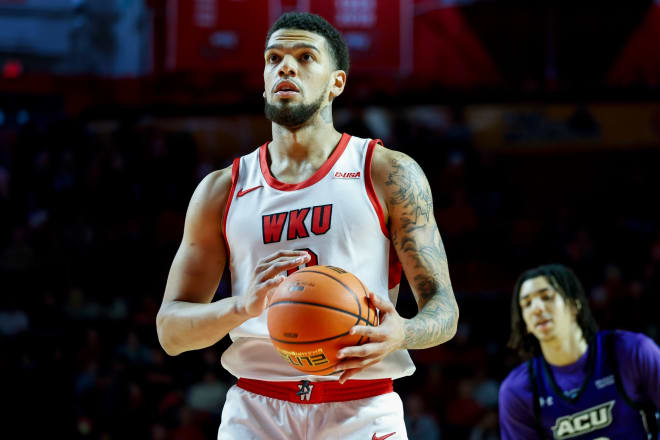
(311, 196)
(581, 382)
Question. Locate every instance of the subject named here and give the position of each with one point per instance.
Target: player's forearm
(184, 326)
(437, 319)
(434, 324)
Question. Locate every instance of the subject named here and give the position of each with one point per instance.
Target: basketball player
(310, 196)
(581, 383)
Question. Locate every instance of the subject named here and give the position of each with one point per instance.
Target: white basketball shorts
(357, 410)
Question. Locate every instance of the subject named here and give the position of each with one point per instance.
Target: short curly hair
(317, 24)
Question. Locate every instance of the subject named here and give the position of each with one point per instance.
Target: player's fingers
(352, 368)
(381, 303)
(361, 351)
(352, 363)
(374, 333)
(281, 253)
(262, 267)
(270, 283)
(266, 289)
(280, 265)
(348, 374)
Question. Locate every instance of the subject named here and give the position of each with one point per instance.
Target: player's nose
(288, 66)
(537, 305)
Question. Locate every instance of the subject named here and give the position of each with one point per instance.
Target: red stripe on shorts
(318, 392)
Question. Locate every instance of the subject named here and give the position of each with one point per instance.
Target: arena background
(537, 124)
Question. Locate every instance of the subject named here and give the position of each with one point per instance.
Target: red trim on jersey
(394, 272)
(394, 266)
(318, 175)
(371, 192)
(234, 179)
(320, 392)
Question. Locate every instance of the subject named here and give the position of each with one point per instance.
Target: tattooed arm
(407, 203)
(419, 247)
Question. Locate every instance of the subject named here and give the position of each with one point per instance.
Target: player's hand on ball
(383, 340)
(267, 276)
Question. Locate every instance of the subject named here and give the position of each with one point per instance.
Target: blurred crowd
(93, 211)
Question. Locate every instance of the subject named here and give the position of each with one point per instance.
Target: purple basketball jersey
(598, 410)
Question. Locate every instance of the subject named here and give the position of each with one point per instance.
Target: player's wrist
(241, 309)
(406, 331)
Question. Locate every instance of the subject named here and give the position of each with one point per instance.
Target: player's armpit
(417, 241)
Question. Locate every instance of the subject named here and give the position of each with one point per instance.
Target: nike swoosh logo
(382, 437)
(242, 192)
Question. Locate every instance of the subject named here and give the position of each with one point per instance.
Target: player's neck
(312, 142)
(294, 156)
(561, 351)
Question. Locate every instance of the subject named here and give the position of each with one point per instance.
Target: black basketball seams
(366, 295)
(357, 300)
(359, 319)
(286, 341)
(325, 306)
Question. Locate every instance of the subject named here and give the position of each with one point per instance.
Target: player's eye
(273, 57)
(307, 57)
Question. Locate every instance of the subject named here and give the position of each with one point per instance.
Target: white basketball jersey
(335, 216)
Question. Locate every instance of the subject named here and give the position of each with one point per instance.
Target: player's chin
(544, 336)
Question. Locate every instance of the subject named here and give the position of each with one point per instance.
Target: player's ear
(337, 83)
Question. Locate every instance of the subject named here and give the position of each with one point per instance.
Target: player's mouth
(286, 89)
(543, 324)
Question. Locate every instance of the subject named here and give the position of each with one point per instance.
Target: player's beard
(292, 115)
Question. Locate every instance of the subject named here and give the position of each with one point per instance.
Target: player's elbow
(165, 335)
(452, 326)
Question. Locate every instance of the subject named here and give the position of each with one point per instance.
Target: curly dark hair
(317, 24)
(564, 281)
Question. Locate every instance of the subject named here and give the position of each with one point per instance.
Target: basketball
(311, 313)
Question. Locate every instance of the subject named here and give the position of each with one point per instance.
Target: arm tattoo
(416, 237)
(409, 189)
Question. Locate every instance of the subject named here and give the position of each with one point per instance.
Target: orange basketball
(310, 314)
